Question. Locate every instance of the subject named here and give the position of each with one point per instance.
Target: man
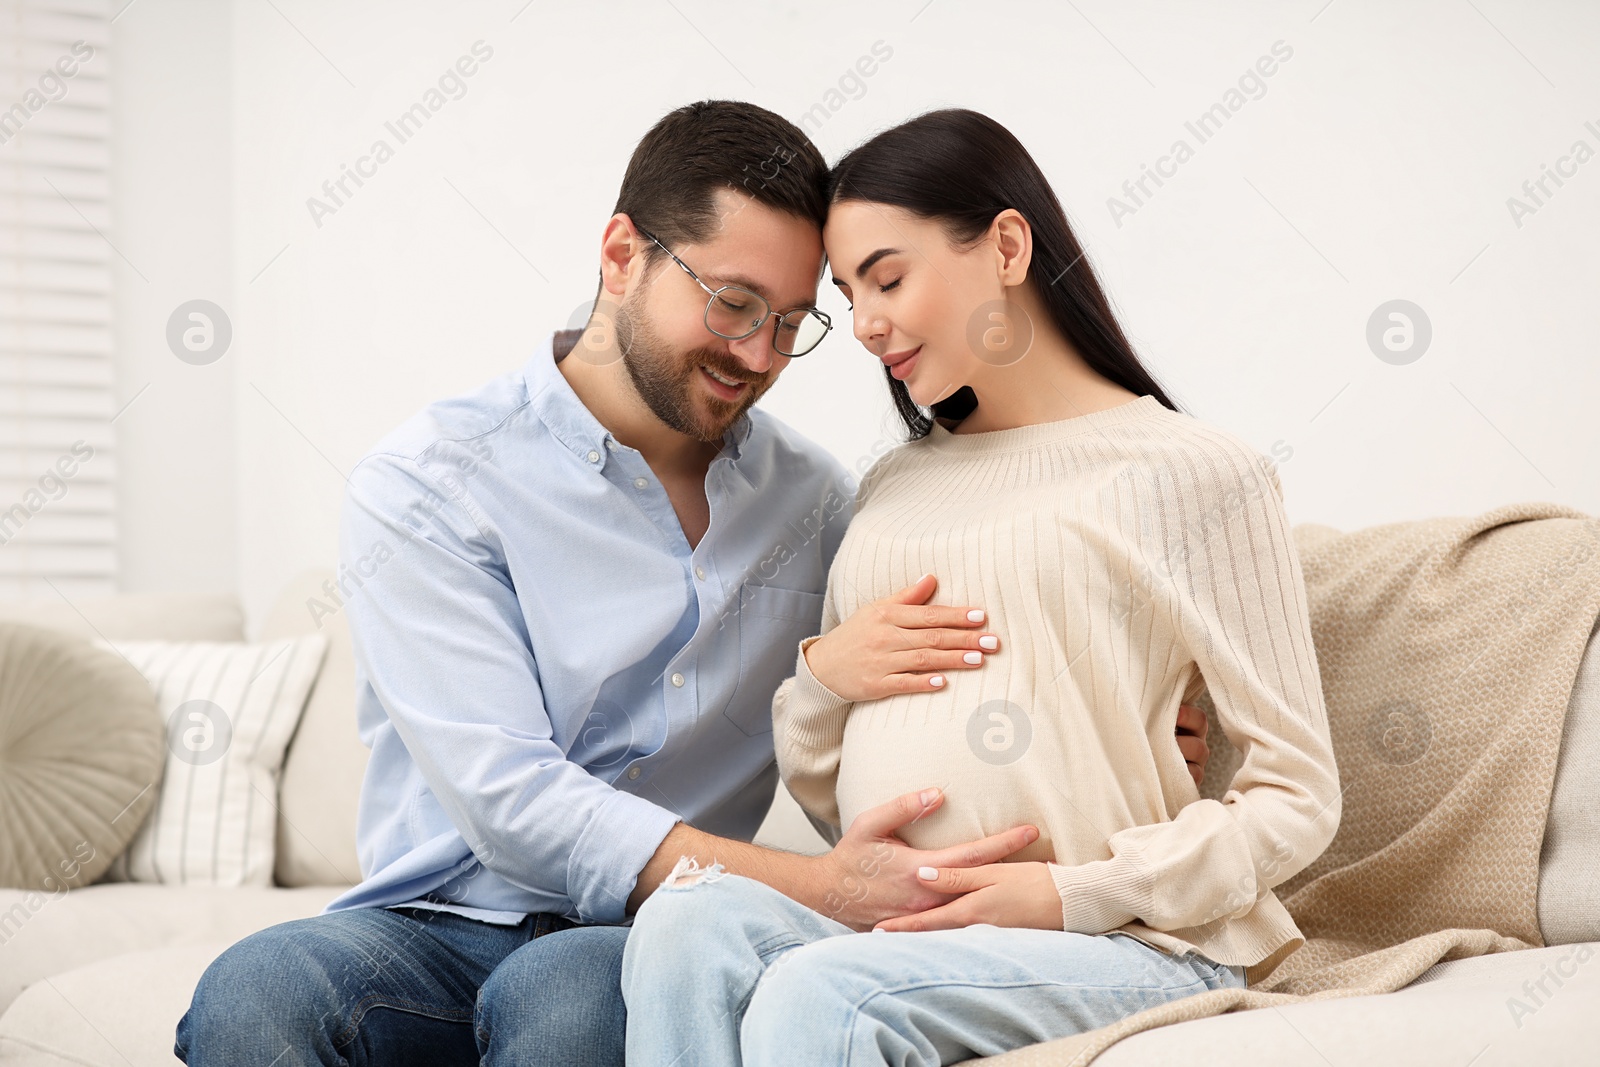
(583, 583)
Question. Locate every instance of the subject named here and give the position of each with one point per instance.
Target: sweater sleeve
(1237, 602)
(808, 730)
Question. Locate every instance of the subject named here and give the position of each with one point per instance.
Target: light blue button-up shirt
(548, 676)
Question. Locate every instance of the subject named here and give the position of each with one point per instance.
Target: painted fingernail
(936, 681)
(975, 615)
(990, 642)
(927, 874)
(973, 657)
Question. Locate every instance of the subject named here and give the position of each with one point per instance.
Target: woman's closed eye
(844, 290)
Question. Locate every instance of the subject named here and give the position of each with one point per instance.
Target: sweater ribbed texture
(1129, 559)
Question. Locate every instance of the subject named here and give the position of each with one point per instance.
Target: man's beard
(668, 386)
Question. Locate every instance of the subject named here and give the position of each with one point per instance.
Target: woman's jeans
(721, 969)
(395, 987)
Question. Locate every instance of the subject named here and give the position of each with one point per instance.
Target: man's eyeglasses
(735, 312)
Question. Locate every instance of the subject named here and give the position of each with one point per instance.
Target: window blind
(57, 456)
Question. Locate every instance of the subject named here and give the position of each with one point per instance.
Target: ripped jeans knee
(687, 872)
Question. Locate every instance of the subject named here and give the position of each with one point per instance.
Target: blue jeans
(395, 986)
(722, 970)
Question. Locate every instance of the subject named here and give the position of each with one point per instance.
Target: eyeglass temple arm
(678, 261)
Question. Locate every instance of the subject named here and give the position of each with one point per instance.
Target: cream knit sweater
(1129, 559)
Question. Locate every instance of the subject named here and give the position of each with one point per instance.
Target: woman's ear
(1013, 239)
(622, 255)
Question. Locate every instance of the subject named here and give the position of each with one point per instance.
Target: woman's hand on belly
(1000, 894)
(900, 644)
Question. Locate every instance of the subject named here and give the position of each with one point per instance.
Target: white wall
(173, 224)
(1376, 165)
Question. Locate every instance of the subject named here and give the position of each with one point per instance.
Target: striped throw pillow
(230, 710)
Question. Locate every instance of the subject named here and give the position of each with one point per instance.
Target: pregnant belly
(986, 791)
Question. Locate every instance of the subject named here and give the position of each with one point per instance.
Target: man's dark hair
(676, 169)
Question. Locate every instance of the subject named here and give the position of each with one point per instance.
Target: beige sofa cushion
(98, 922)
(787, 828)
(121, 1012)
(124, 1012)
(82, 747)
(321, 783)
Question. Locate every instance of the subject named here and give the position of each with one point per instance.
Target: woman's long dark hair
(962, 168)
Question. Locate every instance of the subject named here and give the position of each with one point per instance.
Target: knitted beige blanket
(1448, 650)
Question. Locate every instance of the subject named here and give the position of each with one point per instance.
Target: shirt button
(594, 457)
(639, 483)
(677, 680)
(611, 444)
(700, 573)
(633, 772)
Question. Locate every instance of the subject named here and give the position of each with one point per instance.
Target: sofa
(101, 974)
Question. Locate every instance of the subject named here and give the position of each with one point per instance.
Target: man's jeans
(721, 969)
(402, 986)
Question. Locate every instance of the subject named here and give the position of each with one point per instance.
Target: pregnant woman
(1130, 557)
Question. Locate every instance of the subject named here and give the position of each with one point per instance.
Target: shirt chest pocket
(772, 623)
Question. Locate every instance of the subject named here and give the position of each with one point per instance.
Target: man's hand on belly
(871, 875)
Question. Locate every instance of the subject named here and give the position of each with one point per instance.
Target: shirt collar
(575, 426)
